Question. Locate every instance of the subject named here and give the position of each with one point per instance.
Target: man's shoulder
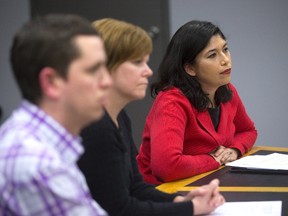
(22, 154)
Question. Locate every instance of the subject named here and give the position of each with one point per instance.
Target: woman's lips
(228, 71)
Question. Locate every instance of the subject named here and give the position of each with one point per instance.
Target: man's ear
(50, 82)
(190, 69)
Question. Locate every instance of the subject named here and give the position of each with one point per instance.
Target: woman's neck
(114, 106)
(211, 95)
(212, 103)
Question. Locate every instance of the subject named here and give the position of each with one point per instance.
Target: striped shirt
(38, 170)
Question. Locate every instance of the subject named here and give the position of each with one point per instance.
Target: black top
(215, 116)
(109, 165)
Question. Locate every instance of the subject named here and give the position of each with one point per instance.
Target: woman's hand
(224, 155)
(205, 199)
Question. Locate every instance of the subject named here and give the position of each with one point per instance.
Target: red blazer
(177, 139)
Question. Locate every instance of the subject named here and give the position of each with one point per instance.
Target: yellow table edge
(179, 185)
(243, 189)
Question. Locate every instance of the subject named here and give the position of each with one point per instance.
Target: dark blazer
(110, 168)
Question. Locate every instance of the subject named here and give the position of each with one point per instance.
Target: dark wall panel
(147, 14)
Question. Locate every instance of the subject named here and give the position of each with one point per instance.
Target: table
(240, 186)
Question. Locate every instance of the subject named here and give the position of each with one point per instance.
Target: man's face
(85, 89)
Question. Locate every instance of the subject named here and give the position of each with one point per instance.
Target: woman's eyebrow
(212, 50)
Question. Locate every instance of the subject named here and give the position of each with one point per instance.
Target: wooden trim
(172, 187)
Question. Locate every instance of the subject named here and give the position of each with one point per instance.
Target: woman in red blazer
(198, 121)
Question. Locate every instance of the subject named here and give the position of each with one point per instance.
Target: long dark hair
(188, 41)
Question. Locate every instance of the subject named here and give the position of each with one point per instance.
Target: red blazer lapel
(225, 117)
(206, 123)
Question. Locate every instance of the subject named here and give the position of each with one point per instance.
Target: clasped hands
(224, 155)
(205, 199)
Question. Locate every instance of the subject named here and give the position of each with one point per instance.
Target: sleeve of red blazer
(168, 159)
(245, 131)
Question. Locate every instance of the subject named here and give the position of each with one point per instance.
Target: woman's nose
(225, 60)
(148, 71)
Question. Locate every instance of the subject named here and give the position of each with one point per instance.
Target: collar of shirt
(49, 131)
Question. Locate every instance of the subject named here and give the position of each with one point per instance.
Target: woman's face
(212, 65)
(130, 78)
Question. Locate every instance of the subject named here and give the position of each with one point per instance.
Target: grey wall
(257, 34)
(13, 13)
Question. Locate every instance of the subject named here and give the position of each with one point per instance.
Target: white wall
(257, 33)
(13, 13)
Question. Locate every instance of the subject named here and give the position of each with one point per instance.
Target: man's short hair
(46, 41)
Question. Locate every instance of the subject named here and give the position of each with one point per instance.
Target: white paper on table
(261, 208)
(275, 161)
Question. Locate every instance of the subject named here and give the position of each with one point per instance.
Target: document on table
(274, 161)
(263, 208)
